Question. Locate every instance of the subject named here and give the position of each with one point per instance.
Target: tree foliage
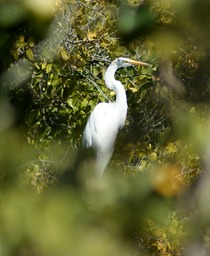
(53, 61)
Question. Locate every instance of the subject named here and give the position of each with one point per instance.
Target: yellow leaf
(29, 54)
(133, 89)
(64, 55)
(152, 156)
(171, 148)
(22, 39)
(55, 81)
(37, 65)
(84, 103)
(164, 236)
(31, 44)
(70, 103)
(15, 54)
(104, 44)
(91, 36)
(131, 157)
(44, 64)
(149, 146)
(48, 68)
(112, 93)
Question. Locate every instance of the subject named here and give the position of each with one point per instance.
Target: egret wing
(102, 127)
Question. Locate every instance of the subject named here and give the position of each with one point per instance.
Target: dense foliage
(153, 199)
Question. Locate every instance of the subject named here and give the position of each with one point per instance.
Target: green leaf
(120, 51)
(84, 103)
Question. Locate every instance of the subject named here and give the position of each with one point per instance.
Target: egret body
(107, 118)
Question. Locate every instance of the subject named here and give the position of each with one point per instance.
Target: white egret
(107, 118)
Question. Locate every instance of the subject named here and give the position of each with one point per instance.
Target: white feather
(107, 118)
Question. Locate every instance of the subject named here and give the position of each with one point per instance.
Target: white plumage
(107, 118)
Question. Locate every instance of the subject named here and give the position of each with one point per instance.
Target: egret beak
(139, 63)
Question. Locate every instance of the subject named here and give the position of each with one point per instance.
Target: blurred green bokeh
(153, 199)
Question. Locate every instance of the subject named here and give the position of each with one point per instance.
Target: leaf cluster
(53, 86)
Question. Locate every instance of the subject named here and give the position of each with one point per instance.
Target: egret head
(119, 63)
(125, 62)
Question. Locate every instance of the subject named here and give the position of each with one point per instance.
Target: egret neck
(115, 85)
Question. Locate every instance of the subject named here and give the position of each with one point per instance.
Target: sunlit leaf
(91, 36)
(29, 54)
(48, 68)
(64, 55)
(44, 64)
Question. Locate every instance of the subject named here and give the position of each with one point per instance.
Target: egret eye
(119, 62)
